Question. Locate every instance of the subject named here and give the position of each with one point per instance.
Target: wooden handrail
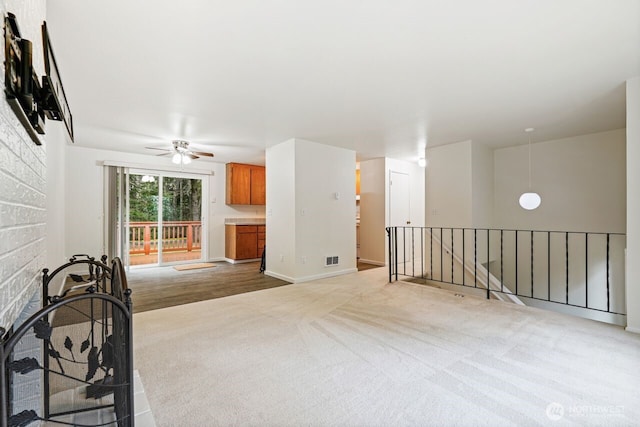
(176, 236)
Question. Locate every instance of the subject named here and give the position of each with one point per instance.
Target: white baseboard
(310, 278)
(634, 330)
(370, 261)
(240, 261)
(279, 276)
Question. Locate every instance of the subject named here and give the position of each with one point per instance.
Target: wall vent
(331, 260)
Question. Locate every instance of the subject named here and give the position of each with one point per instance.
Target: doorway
(400, 213)
(164, 215)
(399, 200)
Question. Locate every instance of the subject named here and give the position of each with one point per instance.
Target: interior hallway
(356, 350)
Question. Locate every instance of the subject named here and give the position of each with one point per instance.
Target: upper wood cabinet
(245, 184)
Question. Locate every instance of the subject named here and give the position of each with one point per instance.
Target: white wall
(56, 198)
(281, 209)
(581, 181)
(84, 183)
(449, 199)
(321, 216)
(327, 227)
(633, 205)
(481, 186)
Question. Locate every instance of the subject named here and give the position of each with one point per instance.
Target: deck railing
(584, 270)
(176, 236)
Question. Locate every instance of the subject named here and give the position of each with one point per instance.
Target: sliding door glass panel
(181, 219)
(143, 219)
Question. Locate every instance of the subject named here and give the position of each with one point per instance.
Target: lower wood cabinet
(244, 241)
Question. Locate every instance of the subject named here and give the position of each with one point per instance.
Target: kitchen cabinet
(262, 238)
(244, 241)
(245, 185)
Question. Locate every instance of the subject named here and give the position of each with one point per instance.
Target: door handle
(408, 222)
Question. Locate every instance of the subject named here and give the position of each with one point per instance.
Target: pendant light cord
(529, 161)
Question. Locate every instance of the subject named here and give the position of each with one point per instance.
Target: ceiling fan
(180, 152)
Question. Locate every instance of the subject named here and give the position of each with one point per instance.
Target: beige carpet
(356, 351)
(194, 266)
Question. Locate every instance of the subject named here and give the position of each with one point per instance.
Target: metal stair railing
(577, 269)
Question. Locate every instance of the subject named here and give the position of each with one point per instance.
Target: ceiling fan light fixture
(186, 159)
(177, 158)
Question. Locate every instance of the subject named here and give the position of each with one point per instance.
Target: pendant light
(530, 200)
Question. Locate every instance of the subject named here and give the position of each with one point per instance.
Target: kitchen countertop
(244, 221)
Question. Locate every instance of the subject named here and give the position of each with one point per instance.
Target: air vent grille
(331, 260)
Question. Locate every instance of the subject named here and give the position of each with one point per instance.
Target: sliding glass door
(181, 219)
(164, 218)
(144, 194)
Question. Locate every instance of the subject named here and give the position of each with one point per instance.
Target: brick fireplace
(23, 213)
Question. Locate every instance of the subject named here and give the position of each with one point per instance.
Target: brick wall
(22, 214)
(22, 189)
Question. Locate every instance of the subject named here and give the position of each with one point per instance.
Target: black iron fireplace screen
(87, 358)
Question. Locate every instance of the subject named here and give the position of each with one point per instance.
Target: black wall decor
(22, 87)
(54, 99)
(31, 102)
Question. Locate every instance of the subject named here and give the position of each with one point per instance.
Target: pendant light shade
(530, 200)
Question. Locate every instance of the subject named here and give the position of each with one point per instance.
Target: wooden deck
(142, 259)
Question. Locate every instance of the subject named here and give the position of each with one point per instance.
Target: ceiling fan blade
(164, 154)
(154, 148)
(193, 156)
(203, 153)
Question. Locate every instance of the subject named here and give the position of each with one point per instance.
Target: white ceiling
(383, 78)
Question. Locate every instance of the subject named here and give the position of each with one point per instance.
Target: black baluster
(548, 266)
(488, 261)
(608, 301)
(390, 253)
(441, 256)
(404, 251)
(422, 252)
(516, 262)
(431, 252)
(567, 265)
(395, 250)
(413, 253)
(531, 263)
(501, 259)
(464, 265)
(452, 281)
(586, 270)
(475, 257)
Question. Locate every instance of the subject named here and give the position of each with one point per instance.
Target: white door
(400, 216)
(399, 199)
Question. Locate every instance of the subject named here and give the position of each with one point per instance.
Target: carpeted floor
(357, 351)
